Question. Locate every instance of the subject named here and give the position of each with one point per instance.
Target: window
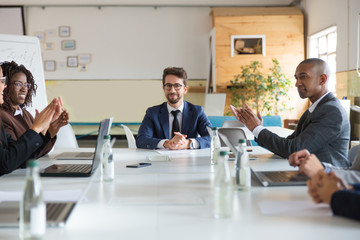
(323, 45)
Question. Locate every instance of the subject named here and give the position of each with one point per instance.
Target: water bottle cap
(107, 137)
(215, 128)
(242, 141)
(223, 153)
(32, 163)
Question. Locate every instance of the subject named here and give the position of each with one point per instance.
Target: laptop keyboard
(78, 168)
(84, 154)
(53, 210)
(285, 176)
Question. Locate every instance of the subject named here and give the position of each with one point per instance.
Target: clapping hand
(61, 121)
(45, 117)
(247, 116)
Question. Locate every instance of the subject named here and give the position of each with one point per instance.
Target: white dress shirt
(171, 119)
(18, 112)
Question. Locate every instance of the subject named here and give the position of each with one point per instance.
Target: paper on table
(294, 208)
(49, 196)
(174, 152)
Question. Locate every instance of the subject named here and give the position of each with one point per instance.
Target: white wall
(321, 14)
(150, 2)
(126, 42)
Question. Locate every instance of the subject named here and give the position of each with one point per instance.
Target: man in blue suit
(175, 124)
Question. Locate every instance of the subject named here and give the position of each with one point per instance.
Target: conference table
(174, 200)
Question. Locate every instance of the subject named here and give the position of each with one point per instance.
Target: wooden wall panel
(284, 33)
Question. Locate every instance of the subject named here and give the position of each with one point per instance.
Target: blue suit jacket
(346, 202)
(155, 126)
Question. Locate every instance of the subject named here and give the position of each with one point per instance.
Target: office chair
(65, 138)
(233, 134)
(353, 152)
(232, 123)
(130, 137)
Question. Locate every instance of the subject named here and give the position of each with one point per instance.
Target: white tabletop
(174, 200)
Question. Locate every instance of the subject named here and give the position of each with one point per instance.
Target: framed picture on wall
(83, 67)
(49, 46)
(64, 31)
(49, 65)
(72, 61)
(84, 58)
(40, 36)
(68, 44)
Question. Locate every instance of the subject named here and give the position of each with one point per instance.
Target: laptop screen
(104, 129)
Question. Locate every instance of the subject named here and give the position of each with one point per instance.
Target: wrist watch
(192, 145)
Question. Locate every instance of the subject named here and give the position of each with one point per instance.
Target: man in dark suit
(329, 188)
(175, 124)
(323, 129)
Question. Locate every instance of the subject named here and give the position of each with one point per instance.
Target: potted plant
(266, 93)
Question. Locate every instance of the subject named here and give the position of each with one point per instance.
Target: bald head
(312, 77)
(321, 66)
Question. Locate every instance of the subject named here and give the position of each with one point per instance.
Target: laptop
(81, 170)
(280, 178)
(272, 178)
(75, 156)
(57, 213)
(233, 149)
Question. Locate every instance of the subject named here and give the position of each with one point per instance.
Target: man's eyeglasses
(3, 80)
(169, 86)
(20, 85)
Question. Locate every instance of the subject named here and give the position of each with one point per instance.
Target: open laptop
(57, 213)
(233, 149)
(272, 178)
(80, 170)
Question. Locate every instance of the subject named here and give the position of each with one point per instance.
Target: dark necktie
(175, 125)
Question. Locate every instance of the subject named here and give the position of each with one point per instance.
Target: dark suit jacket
(324, 132)
(16, 126)
(346, 203)
(155, 126)
(14, 154)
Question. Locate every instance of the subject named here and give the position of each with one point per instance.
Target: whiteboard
(26, 50)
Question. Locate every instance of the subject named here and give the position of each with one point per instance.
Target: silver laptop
(78, 155)
(233, 149)
(80, 170)
(57, 213)
(272, 178)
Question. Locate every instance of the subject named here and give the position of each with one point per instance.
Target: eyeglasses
(20, 85)
(169, 86)
(3, 80)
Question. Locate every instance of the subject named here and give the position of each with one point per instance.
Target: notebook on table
(57, 213)
(81, 170)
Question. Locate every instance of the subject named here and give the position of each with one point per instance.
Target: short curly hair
(177, 71)
(9, 70)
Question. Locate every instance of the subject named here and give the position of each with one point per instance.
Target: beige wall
(126, 101)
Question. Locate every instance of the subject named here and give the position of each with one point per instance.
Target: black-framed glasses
(20, 85)
(177, 86)
(3, 80)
